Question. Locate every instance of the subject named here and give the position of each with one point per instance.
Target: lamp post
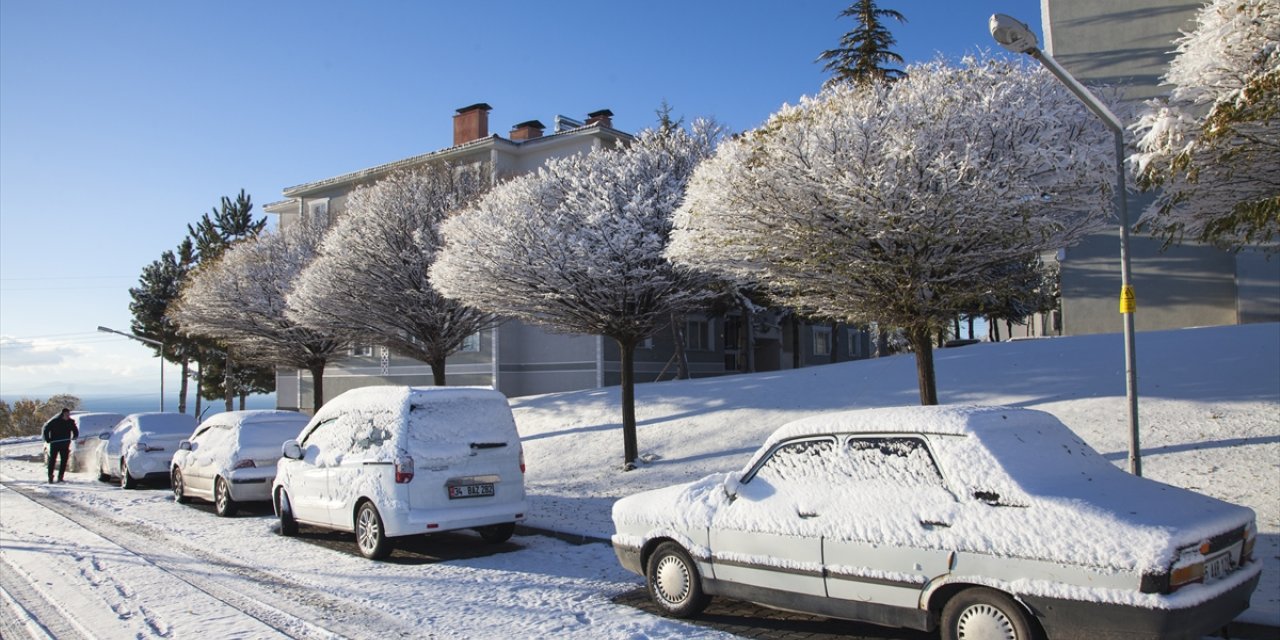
(1015, 36)
(148, 341)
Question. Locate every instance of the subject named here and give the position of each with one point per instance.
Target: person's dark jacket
(60, 431)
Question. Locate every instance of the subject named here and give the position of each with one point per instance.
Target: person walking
(58, 434)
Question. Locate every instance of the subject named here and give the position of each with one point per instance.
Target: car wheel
(985, 614)
(371, 538)
(673, 582)
(126, 480)
(179, 493)
(497, 533)
(288, 526)
(223, 504)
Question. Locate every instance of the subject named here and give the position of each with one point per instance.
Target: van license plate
(470, 491)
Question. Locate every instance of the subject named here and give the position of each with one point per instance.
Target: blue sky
(122, 122)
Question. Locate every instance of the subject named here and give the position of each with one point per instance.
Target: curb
(572, 538)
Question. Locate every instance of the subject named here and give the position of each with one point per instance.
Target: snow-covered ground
(135, 564)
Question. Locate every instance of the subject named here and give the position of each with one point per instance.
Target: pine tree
(863, 54)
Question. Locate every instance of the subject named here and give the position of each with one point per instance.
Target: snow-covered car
(141, 446)
(231, 458)
(91, 425)
(984, 521)
(385, 462)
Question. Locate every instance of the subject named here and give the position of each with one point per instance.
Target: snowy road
(87, 560)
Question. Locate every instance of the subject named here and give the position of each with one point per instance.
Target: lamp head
(1013, 34)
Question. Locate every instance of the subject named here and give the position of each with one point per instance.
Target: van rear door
(465, 452)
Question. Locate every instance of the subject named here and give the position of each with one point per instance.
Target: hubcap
(984, 622)
(672, 580)
(367, 529)
(222, 495)
(177, 483)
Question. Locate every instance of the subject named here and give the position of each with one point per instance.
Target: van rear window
(445, 424)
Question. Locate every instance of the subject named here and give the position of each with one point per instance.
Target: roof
(944, 420)
(444, 154)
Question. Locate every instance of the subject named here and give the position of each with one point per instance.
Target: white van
(385, 462)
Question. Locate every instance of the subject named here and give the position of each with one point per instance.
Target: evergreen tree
(863, 55)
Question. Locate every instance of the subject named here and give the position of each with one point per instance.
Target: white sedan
(84, 450)
(987, 522)
(141, 447)
(231, 457)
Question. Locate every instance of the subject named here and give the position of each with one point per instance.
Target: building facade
(520, 359)
(1129, 45)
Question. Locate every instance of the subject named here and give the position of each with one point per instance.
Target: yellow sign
(1128, 303)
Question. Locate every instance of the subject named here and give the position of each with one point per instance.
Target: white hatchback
(91, 425)
(385, 462)
(141, 447)
(231, 458)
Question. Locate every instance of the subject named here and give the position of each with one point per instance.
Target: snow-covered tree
(370, 280)
(891, 202)
(240, 300)
(578, 247)
(1212, 147)
(864, 52)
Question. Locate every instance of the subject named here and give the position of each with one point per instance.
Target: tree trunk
(317, 386)
(795, 342)
(228, 387)
(970, 318)
(199, 383)
(244, 399)
(882, 344)
(957, 327)
(681, 352)
(995, 329)
(921, 339)
(182, 386)
(835, 342)
(942, 337)
(437, 371)
(630, 450)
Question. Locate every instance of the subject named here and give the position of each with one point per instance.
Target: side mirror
(186, 445)
(730, 486)
(291, 449)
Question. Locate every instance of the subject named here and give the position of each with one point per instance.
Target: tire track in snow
(295, 610)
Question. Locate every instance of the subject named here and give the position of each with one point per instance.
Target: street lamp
(148, 341)
(1014, 35)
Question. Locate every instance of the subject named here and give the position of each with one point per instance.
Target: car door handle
(930, 524)
(805, 515)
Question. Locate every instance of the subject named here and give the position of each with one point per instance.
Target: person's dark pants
(56, 452)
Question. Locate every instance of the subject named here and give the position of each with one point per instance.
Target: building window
(471, 344)
(854, 339)
(318, 209)
(365, 350)
(647, 343)
(821, 341)
(698, 335)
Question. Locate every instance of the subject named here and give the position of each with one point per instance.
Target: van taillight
(521, 459)
(404, 469)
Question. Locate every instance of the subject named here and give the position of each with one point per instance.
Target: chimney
(603, 117)
(527, 130)
(471, 123)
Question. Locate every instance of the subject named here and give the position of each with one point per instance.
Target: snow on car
(386, 462)
(141, 447)
(966, 518)
(231, 458)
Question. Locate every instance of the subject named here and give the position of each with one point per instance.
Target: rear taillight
(245, 464)
(404, 469)
(521, 459)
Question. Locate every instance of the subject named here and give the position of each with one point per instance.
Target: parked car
(385, 462)
(141, 447)
(231, 458)
(84, 449)
(963, 518)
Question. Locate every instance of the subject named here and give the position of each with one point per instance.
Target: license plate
(1217, 567)
(470, 491)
